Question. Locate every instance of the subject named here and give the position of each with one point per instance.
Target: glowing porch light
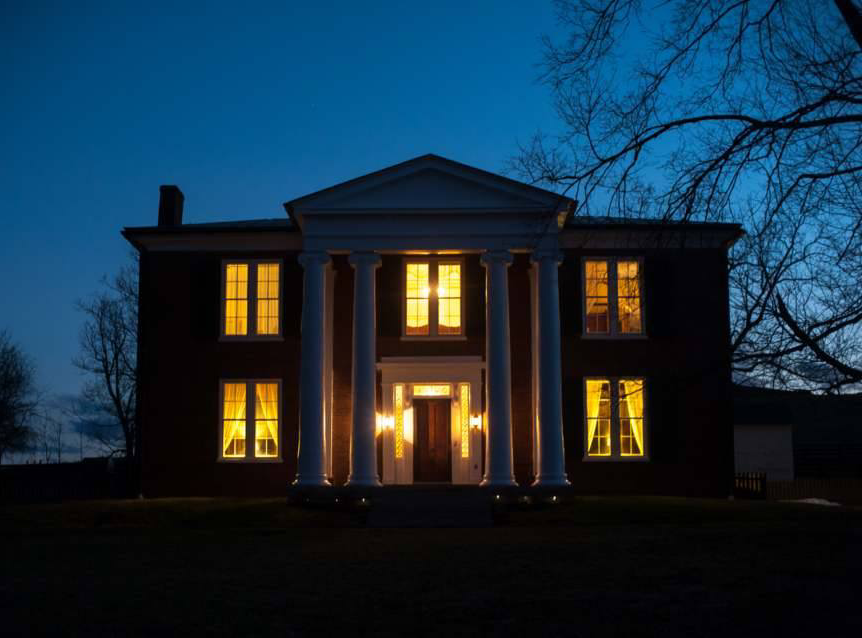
(476, 422)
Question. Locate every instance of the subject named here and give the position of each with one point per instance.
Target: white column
(552, 467)
(311, 470)
(498, 468)
(363, 452)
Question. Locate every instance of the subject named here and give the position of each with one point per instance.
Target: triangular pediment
(429, 183)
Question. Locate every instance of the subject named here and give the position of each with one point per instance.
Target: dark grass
(591, 567)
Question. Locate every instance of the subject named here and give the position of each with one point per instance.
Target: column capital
(503, 257)
(313, 257)
(364, 259)
(542, 255)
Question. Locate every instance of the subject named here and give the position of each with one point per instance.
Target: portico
(422, 209)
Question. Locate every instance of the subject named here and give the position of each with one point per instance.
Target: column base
(311, 481)
(558, 480)
(358, 481)
(500, 481)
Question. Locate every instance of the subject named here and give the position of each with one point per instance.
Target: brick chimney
(170, 206)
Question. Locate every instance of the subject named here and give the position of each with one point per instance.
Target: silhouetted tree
(730, 110)
(18, 400)
(108, 352)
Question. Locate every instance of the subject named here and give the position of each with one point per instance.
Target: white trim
(249, 423)
(427, 370)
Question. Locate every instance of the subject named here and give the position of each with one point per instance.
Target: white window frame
(615, 455)
(252, 300)
(613, 306)
(433, 262)
(249, 423)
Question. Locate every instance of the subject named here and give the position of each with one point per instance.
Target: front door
(431, 460)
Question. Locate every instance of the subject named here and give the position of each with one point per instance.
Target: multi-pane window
(238, 424)
(613, 297)
(615, 418)
(418, 297)
(433, 301)
(251, 299)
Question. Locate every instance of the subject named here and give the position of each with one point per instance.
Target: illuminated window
(266, 420)
(398, 401)
(418, 292)
(432, 390)
(267, 299)
(233, 421)
(465, 420)
(433, 299)
(251, 299)
(449, 299)
(239, 423)
(613, 297)
(615, 418)
(236, 300)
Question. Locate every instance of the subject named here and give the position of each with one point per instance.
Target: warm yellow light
(465, 420)
(236, 299)
(432, 390)
(596, 279)
(417, 294)
(266, 420)
(631, 411)
(233, 421)
(267, 299)
(598, 417)
(628, 298)
(398, 404)
(449, 299)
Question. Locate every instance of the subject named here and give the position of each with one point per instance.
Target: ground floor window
(239, 424)
(614, 419)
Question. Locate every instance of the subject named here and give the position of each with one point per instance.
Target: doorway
(432, 460)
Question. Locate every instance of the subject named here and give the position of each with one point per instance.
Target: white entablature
(429, 203)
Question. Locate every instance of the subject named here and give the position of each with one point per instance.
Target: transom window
(615, 418)
(239, 425)
(613, 299)
(433, 302)
(251, 299)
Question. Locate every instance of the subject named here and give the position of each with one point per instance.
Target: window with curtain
(233, 420)
(433, 301)
(240, 423)
(251, 299)
(266, 420)
(615, 418)
(613, 297)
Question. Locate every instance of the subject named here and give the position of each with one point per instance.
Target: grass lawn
(591, 567)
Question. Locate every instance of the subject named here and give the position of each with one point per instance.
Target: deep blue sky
(242, 107)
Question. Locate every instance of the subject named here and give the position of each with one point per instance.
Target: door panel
(432, 459)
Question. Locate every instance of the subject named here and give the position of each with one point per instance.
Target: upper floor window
(433, 303)
(613, 299)
(614, 425)
(251, 299)
(239, 425)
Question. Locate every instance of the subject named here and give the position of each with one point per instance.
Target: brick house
(433, 322)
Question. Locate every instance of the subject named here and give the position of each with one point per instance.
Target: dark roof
(595, 221)
(263, 225)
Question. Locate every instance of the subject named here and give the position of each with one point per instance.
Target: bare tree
(730, 110)
(108, 353)
(18, 400)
